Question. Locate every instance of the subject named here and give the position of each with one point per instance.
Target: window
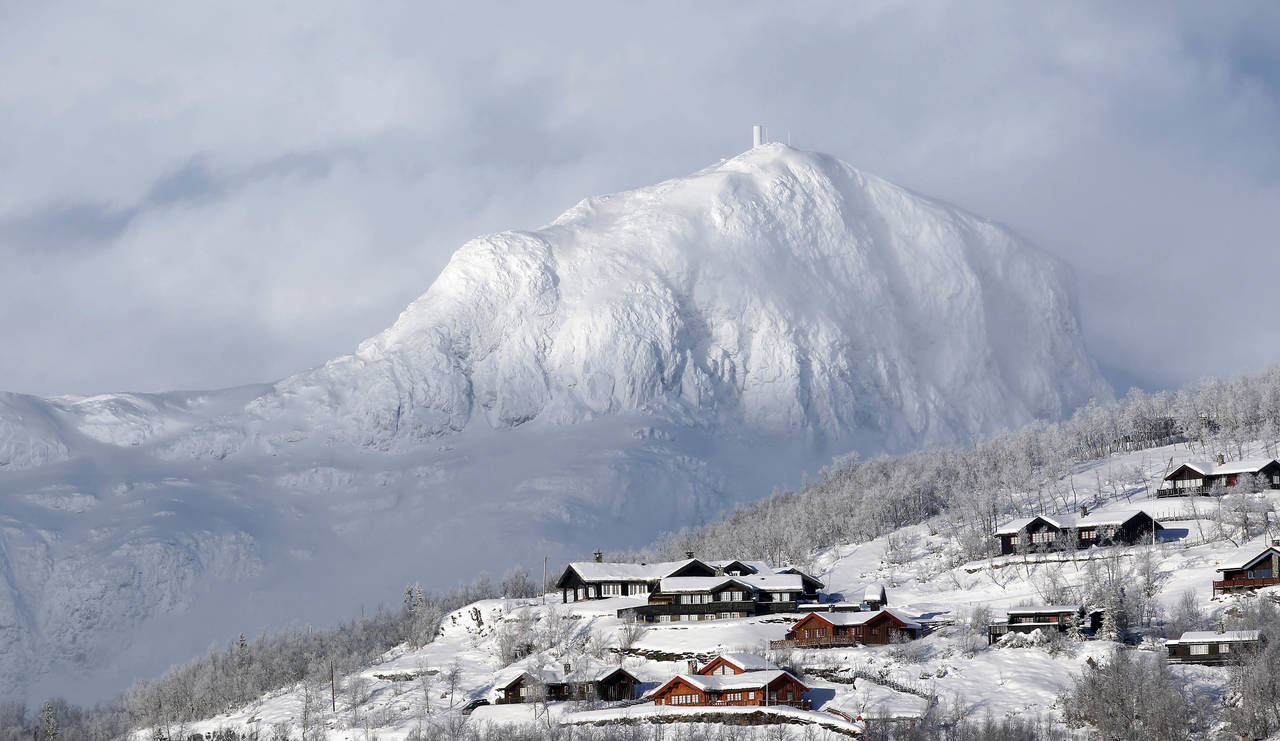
(664, 618)
(684, 699)
(1224, 648)
(1199, 649)
(1044, 536)
(611, 590)
(733, 696)
(1088, 534)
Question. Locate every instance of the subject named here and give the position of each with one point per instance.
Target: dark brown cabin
(1201, 477)
(1065, 532)
(1210, 647)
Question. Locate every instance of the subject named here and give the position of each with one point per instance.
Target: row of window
(696, 618)
(1202, 649)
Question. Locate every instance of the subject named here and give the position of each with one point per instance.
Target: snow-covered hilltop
(644, 362)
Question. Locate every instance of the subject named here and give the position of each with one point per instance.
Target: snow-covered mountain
(644, 362)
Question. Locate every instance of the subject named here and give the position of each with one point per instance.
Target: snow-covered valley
(644, 363)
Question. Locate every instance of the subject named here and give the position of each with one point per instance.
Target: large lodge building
(690, 590)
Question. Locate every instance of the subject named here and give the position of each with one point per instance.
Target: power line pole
(333, 690)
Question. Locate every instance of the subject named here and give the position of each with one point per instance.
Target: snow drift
(644, 362)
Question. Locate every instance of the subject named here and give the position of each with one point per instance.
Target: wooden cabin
(609, 684)
(1029, 618)
(1213, 647)
(1063, 532)
(774, 687)
(1249, 569)
(1201, 477)
(583, 580)
(737, 663)
(834, 629)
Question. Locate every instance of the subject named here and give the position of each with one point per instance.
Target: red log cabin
(776, 687)
(851, 628)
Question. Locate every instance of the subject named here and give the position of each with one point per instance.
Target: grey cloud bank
(209, 195)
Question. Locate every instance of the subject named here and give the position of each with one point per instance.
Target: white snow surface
(643, 363)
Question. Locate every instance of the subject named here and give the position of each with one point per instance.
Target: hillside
(952, 670)
(645, 362)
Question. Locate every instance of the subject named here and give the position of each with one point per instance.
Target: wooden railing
(828, 642)
(1226, 584)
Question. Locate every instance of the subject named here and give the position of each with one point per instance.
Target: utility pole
(333, 690)
(544, 580)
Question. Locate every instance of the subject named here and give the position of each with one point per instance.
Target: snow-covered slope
(925, 579)
(644, 362)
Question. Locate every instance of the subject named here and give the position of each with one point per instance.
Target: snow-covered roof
(775, 582)
(700, 583)
(1038, 609)
(1208, 468)
(859, 618)
(1212, 636)
(873, 593)
(748, 662)
(1062, 522)
(1245, 555)
(613, 571)
(727, 682)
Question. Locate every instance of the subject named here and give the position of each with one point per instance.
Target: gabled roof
(729, 682)
(701, 583)
(775, 582)
(1206, 468)
(805, 577)
(745, 662)
(1246, 556)
(755, 567)
(1212, 636)
(858, 618)
(874, 593)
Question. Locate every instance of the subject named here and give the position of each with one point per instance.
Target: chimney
(693, 666)
(568, 669)
(1222, 628)
(688, 554)
(599, 557)
(1221, 459)
(1084, 510)
(757, 135)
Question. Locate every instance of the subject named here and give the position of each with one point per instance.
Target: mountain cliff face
(645, 361)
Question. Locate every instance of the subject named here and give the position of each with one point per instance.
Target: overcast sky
(204, 195)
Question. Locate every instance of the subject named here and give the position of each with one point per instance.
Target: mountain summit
(781, 291)
(642, 363)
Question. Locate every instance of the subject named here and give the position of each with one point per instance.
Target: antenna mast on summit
(757, 135)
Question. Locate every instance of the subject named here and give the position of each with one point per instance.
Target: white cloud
(203, 195)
